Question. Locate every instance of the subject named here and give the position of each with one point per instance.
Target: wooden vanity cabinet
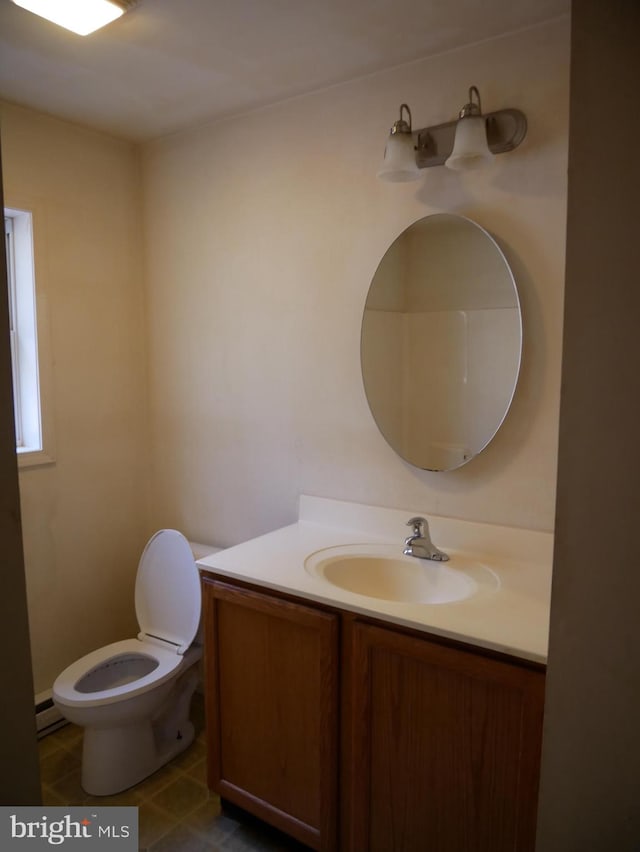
(443, 747)
(271, 669)
(438, 748)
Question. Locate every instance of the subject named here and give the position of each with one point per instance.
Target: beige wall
(591, 750)
(83, 516)
(262, 234)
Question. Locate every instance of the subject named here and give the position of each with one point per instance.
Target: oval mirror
(441, 342)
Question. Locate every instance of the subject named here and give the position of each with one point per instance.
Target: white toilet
(133, 697)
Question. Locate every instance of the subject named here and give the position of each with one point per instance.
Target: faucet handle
(418, 525)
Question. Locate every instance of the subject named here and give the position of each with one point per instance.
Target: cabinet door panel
(272, 708)
(446, 747)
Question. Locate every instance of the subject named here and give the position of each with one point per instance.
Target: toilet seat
(65, 688)
(168, 598)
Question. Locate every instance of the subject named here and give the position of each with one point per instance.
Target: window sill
(33, 458)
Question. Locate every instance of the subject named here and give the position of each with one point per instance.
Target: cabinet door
(445, 747)
(272, 705)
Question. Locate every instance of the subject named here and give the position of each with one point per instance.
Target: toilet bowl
(133, 697)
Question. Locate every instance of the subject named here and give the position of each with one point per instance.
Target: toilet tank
(200, 550)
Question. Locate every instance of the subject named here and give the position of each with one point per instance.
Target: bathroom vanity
(370, 722)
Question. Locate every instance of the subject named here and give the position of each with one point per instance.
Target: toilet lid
(167, 596)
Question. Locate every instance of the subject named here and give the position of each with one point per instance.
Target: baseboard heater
(48, 717)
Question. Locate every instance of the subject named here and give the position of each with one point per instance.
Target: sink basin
(383, 572)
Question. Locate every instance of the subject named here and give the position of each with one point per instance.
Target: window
(33, 435)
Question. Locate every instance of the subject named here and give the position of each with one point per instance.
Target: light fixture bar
(80, 16)
(506, 128)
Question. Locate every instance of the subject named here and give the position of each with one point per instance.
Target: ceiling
(170, 64)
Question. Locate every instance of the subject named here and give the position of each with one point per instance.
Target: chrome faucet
(419, 544)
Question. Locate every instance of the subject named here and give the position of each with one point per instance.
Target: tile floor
(176, 811)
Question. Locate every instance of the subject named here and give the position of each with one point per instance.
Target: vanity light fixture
(80, 16)
(470, 147)
(470, 142)
(399, 164)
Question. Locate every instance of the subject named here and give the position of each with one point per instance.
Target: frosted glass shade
(399, 164)
(470, 148)
(80, 16)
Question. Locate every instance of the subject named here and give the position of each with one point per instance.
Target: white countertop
(512, 618)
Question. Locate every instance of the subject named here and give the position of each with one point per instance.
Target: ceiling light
(79, 16)
(469, 142)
